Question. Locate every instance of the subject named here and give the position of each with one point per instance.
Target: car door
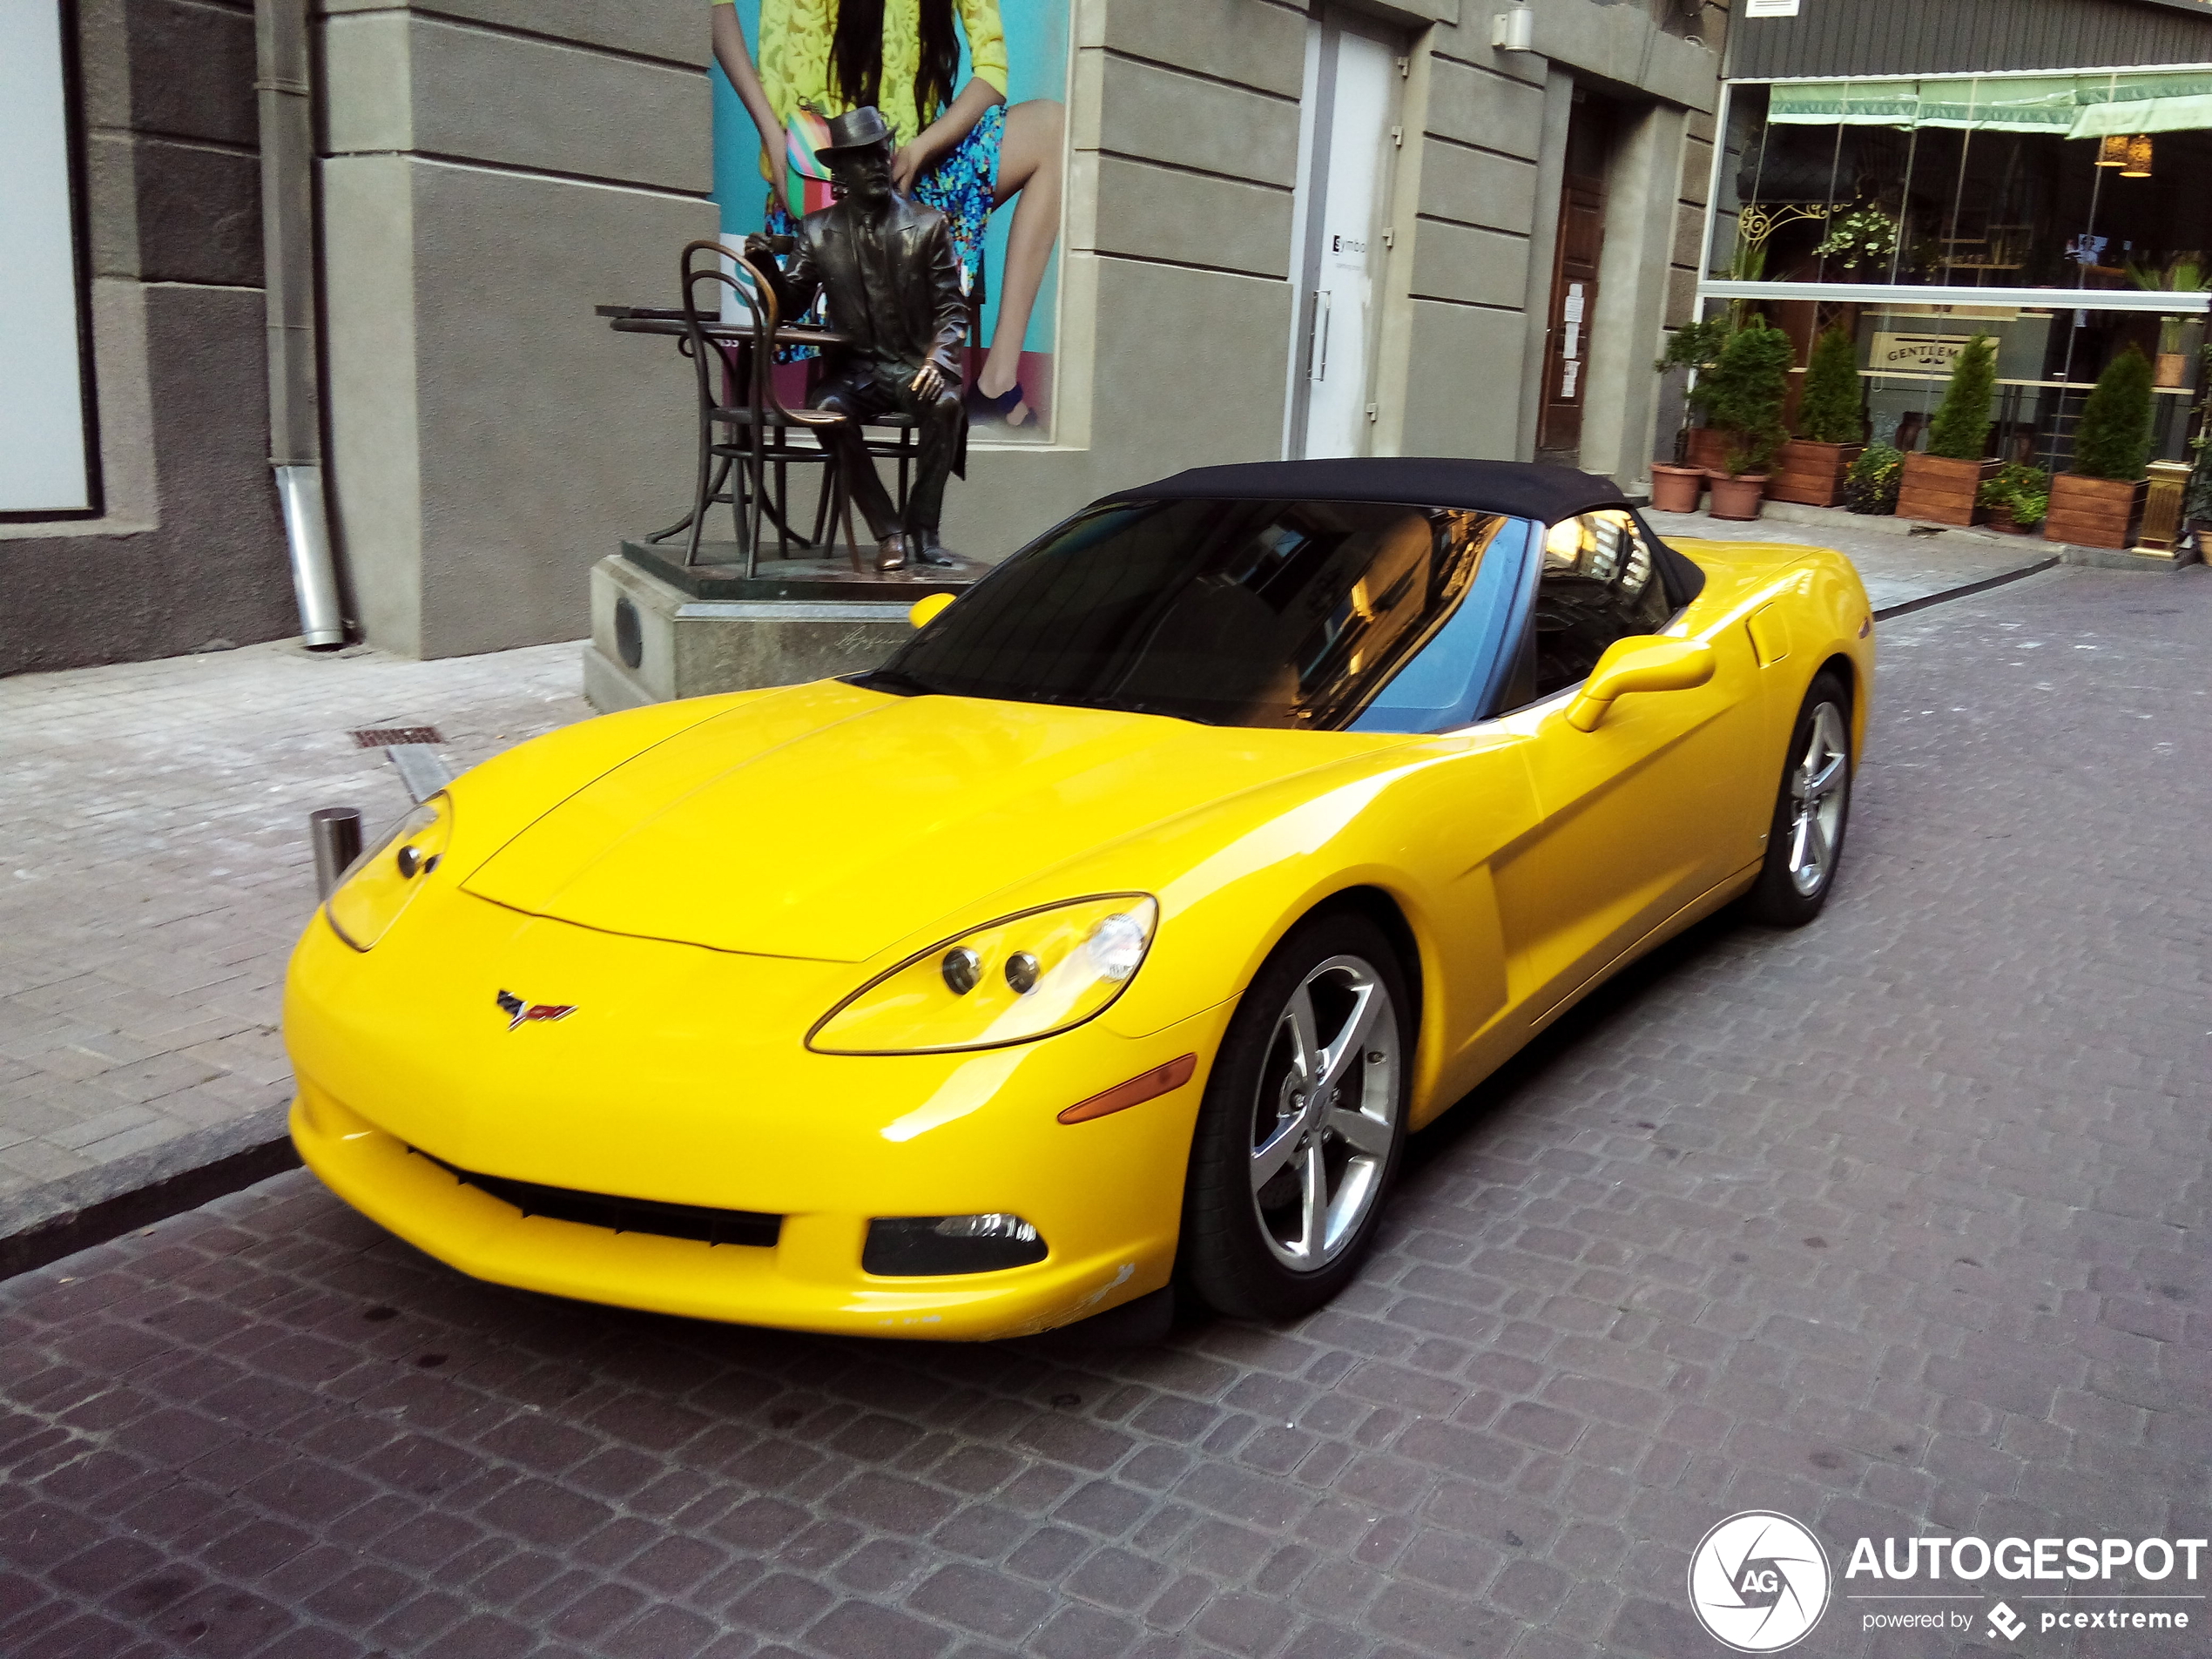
(1644, 815)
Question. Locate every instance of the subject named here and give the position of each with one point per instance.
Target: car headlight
(377, 885)
(1014, 979)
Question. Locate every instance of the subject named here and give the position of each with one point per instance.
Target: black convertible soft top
(1523, 488)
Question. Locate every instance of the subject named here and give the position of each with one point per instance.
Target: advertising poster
(976, 93)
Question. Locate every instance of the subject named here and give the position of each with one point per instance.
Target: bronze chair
(733, 469)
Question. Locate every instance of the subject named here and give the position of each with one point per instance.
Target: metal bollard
(336, 834)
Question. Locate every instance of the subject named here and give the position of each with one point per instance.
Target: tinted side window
(1599, 583)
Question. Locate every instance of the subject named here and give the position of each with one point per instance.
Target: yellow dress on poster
(793, 58)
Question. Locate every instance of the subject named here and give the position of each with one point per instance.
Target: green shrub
(2114, 438)
(2022, 490)
(1829, 412)
(1742, 394)
(1870, 485)
(1695, 345)
(1961, 425)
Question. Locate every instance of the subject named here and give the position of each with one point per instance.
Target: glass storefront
(2065, 214)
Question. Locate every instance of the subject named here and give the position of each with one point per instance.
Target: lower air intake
(699, 1223)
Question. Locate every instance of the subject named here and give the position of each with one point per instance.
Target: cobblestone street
(1897, 1224)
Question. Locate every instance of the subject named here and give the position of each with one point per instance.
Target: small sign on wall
(1769, 8)
(1902, 353)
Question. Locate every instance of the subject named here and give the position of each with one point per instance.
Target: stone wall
(190, 550)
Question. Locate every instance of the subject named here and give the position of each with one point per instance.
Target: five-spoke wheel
(1805, 841)
(1302, 1124)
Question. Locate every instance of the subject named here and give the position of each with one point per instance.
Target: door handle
(1319, 343)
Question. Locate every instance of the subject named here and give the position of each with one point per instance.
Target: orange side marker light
(1161, 1080)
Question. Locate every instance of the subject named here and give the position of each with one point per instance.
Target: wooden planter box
(1942, 492)
(1708, 449)
(2092, 512)
(1812, 473)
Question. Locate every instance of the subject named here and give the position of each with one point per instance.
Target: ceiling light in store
(2114, 151)
(2138, 158)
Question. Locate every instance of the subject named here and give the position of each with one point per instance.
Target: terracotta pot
(2092, 512)
(1676, 490)
(1708, 449)
(1941, 491)
(2171, 369)
(1737, 498)
(1812, 473)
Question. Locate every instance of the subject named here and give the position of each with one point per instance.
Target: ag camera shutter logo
(1758, 1581)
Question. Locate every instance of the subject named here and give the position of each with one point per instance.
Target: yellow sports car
(1110, 937)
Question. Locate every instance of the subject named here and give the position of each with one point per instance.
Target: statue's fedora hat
(860, 129)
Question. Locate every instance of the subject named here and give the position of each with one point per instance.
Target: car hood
(830, 822)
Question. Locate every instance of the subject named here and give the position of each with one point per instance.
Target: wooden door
(1573, 301)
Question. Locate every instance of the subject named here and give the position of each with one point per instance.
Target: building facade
(1419, 227)
(2032, 170)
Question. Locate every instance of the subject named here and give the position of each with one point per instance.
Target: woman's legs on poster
(1031, 166)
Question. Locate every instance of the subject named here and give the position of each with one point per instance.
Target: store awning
(2087, 104)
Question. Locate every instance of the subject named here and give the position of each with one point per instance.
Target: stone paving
(159, 869)
(157, 873)
(1896, 1224)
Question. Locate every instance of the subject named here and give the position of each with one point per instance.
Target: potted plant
(1830, 426)
(2183, 273)
(1694, 347)
(1870, 485)
(2017, 496)
(2095, 504)
(1941, 485)
(1741, 398)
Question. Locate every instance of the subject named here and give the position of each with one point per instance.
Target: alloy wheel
(1325, 1116)
(1817, 788)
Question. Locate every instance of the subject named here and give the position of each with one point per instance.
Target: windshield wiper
(891, 679)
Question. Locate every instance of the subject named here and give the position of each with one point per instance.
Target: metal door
(1346, 190)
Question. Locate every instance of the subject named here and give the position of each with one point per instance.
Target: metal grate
(386, 737)
(695, 1221)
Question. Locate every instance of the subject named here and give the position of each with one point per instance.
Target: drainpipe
(288, 268)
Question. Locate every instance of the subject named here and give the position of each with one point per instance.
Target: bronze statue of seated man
(886, 265)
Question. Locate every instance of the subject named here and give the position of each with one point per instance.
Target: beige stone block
(1157, 116)
(542, 437)
(1461, 355)
(1474, 187)
(675, 29)
(1252, 44)
(1156, 212)
(1483, 267)
(374, 480)
(1483, 109)
(402, 82)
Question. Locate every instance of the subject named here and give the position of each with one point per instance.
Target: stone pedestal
(660, 630)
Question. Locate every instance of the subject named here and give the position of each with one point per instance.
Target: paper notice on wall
(1769, 8)
(1573, 341)
(1568, 375)
(1571, 311)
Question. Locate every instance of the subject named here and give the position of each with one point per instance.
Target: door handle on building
(1318, 342)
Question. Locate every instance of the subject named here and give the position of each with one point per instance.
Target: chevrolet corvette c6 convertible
(1113, 934)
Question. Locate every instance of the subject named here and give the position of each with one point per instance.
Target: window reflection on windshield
(1288, 614)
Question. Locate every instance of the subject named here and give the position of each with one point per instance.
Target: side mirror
(1644, 662)
(924, 610)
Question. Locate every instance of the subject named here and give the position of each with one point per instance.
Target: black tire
(1242, 1237)
(1803, 850)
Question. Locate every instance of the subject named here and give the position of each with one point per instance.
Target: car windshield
(1294, 614)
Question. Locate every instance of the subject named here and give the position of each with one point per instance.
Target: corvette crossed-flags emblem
(521, 1012)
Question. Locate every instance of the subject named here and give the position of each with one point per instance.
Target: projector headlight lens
(1023, 977)
(382, 881)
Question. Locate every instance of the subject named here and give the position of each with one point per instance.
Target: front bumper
(404, 1050)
